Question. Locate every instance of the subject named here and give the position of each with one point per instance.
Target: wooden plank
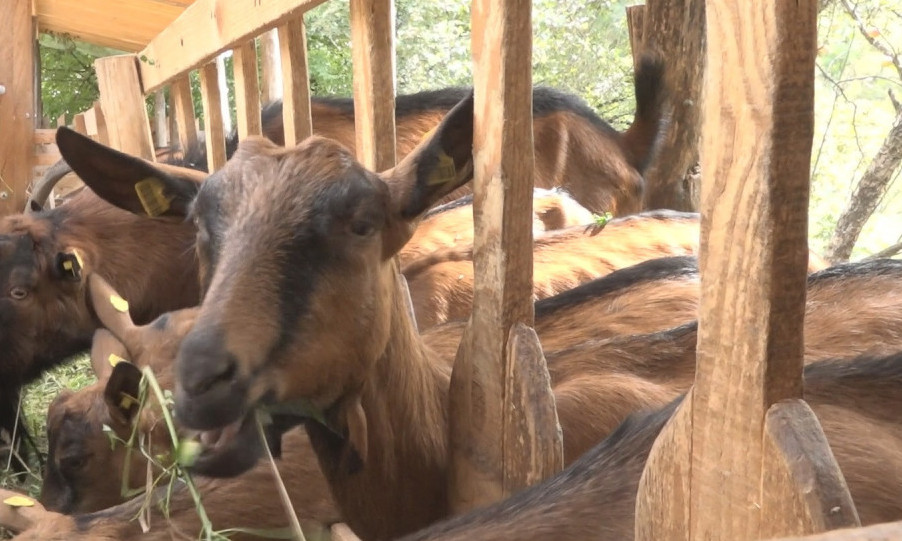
(90, 119)
(128, 27)
(499, 363)
(122, 102)
(271, 72)
(43, 159)
(214, 130)
(372, 51)
(757, 146)
(103, 134)
(890, 531)
(61, 120)
(207, 28)
(79, 124)
(247, 90)
(184, 112)
(16, 104)
(296, 115)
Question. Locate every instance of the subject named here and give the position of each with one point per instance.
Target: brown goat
(451, 224)
(857, 402)
(42, 315)
(84, 472)
(303, 306)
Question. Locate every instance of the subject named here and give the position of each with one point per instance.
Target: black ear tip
(67, 135)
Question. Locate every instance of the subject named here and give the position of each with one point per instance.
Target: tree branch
(886, 252)
(883, 48)
(870, 189)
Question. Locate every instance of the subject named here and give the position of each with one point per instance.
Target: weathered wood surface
(499, 385)
(160, 119)
(16, 104)
(207, 28)
(247, 90)
(890, 531)
(271, 69)
(214, 131)
(184, 112)
(122, 101)
(372, 51)
(726, 467)
(676, 28)
(296, 116)
(635, 24)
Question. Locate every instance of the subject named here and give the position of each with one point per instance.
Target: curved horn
(42, 188)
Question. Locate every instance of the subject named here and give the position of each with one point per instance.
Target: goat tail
(640, 139)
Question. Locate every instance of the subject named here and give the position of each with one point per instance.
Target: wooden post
(889, 531)
(744, 457)
(504, 432)
(214, 130)
(247, 90)
(122, 101)
(372, 50)
(16, 104)
(296, 116)
(184, 112)
(676, 28)
(221, 80)
(635, 24)
(161, 124)
(271, 80)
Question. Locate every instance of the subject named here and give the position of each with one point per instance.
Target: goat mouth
(235, 448)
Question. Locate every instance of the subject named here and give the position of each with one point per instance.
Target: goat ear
(122, 392)
(19, 512)
(34, 206)
(106, 352)
(69, 265)
(125, 181)
(111, 309)
(441, 163)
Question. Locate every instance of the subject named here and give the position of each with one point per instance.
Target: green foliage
(68, 81)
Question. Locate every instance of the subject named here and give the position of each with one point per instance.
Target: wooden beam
(296, 114)
(79, 124)
(207, 28)
(184, 112)
(214, 131)
(128, 27)
(103, 134)
(271, 73)
(372, 51)
(635, 23)
(504, 431)
(247, 90)
(744, 457)
(16, 104)
(890, 531)
(123, 106)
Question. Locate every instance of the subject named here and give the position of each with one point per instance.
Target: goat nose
(203, 362)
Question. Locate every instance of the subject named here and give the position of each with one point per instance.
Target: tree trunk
(677, 30)
(867, 194)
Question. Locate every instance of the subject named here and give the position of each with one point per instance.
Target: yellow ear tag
(444, 171)
(152, 195)
(114, 359)
(19, 501)
(126, 401)
(78, 258)
(119, 303)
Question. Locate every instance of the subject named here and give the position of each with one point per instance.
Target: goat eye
(362, 229)
(74, 462)
(18, 293)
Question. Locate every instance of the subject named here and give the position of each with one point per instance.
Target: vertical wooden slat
(271, 76)
(214, 131)
(79, 124)
(296, 115)
(247, 90)
(372, 50)
(743, 457)
(122, 101)
(61, 120)
(161, 124)
(504, 432)
(103, 134)
(16, 104)
(184, 112)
